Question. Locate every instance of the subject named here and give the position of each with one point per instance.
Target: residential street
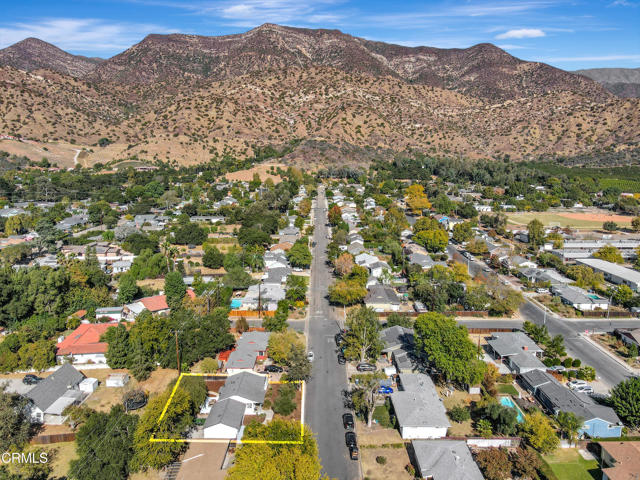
(324, 406)
(609, 371)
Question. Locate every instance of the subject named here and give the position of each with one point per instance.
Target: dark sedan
(273, 369)
(30, 379)
(366, 367)
(347, 420)
(350, 439)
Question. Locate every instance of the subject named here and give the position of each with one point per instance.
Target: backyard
(568, 464)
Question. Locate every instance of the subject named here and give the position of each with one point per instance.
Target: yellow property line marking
(153, 439)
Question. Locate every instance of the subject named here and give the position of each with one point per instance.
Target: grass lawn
(507, 389)
(567, 464)
(62, 454)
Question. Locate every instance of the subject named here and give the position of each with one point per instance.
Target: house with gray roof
(544, 275)
(613, 272)
(396, 337)
(382, 298)
(225, 420)
(418, 408)
(67, 224)
(246, 387)
(579, 298)
(52, 395)
(516, 350)
(599, 420)
(250, 347)
(445, 460)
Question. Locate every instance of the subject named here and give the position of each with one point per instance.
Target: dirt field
(394, 468)
(272, 395)
(588, 219)
(105, 397)
(202, 461)
(262, 170)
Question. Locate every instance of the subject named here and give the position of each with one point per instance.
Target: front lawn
(507, 389)
(568, 464)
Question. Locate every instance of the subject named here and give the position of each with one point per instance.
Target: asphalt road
(608, 371)
(324, 404)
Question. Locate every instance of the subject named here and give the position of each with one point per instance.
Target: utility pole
(260, 301)
(177, 351)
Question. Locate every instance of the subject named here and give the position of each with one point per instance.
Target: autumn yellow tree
(417, 199)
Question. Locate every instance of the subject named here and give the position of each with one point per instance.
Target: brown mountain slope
(33, 54)
(319, 104)
(482, 70)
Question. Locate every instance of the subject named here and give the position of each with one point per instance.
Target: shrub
(285, 405)
(381, 460)
(567, 362)
(459, 414)
(576, 363)
(266, 404)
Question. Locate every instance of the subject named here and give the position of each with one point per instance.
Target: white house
(225, 420)
(418, 408)
(248, 388)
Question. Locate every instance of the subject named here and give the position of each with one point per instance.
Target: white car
(310, 356)
(588, 389)
(542, 290)
(574, 384)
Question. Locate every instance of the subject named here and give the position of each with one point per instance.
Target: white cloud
(623, 3)
(521, 33)
(80, 35)
(509, 46)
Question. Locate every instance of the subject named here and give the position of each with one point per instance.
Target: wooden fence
(250, 313)
(603, 314)
(457, 313)
(54, 438)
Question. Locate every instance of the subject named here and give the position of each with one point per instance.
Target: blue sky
(567, 34)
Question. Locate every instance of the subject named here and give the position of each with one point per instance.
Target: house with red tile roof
(156, 304)
(83, 345)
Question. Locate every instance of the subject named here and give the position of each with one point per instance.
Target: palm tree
(569, 425)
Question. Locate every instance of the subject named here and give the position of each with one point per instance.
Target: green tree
(15, 427)
(299, 255)
(539, 433)
(609, 253)
(213, 258)
(610, 226)
(281, 345)
(104, 446)
(536, 233)
(432, 240)
(363, 396)
(237, 279)
(448, 348)
(174, 289)
(555, 347)
(118, 349)
(623, 294)
(127, 288)
(347, 292)
(635, 224)
(625, 398)
(362, 339)
(569, 425)
(299, 367)
(190, 233)
(462, 232)
(538, 333)
(272, 461)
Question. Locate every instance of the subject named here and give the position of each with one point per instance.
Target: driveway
(15, 385)
(202, 461)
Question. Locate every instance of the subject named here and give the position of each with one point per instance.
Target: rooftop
(249, 386)
(85, 339)
(418, 403)
(445, 459)
(45, 393)
(226, 412)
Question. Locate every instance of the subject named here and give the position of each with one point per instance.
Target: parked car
(557, 368)
(341, 359)
(338, 338)
(588, 389)
(347, 420)
(385, 390)
(365, 367)
(310, 356)
(273, 369)
(30, 379)
(353, 453)
(542, 290)
(573, 384)
(420, 307)
(350, 439)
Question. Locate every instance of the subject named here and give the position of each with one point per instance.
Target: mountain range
(623, 82)
(193, 98)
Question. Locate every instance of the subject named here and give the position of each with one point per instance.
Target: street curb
(608, 353)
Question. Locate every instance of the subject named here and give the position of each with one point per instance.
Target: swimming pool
(508, 402)
(236, 303)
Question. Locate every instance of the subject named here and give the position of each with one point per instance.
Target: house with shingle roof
(444, 460)
(224, 420)
(251, 347)
(382, 298)
(51, 396)
(249, 388)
